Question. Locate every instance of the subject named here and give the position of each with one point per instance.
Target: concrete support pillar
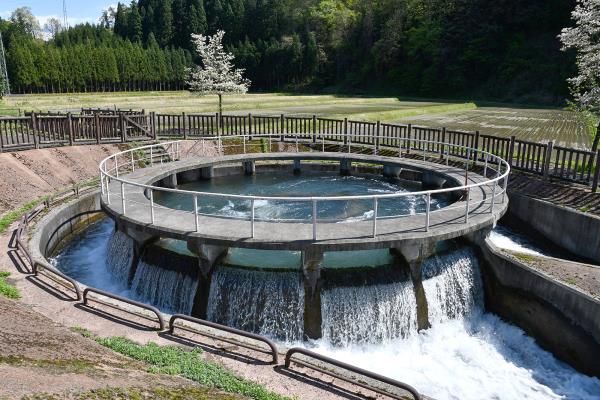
(170, 181)
(297, 168)
(414, 253)
(207, 172)
(312, 259)
(249, 168)
(345, 167)
(208, 255)
(191, 175)
(430, 180)
(392, 171)
(140, 241)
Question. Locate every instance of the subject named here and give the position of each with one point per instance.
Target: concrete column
(345, 167)
(207, 172)
(414, 253)
(312, 259)
(169, 181)
(430, 180)
(191, 175)
(249, 168)
(297, 168)
(208, 255)
(140, 241)
(392, 171)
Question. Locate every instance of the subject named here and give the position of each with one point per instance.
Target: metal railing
(112, 169)
(368, 374)
(40, 267)
(223, 328)
(154, 310)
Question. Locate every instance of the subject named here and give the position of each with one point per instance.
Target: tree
(53, 27)
(26, 22)
(217, 75)
(165, 23)
(584, 38)
(135, 23)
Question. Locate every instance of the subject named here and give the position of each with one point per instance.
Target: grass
(6, 289)
(526, 258)
(394, 115)
(172, 360)
(82, 331)
(134, 393)
(7, 219)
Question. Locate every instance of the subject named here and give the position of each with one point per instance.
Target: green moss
(173, 360)
(6, 289)
(7, 219)
(61, 365)
(526, 258)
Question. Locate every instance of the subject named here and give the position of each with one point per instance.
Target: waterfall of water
(168, 289)
(119, 256)
(269, 303)
(369, 313)
(453, 285)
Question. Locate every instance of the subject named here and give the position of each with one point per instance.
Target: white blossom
(217, 74)
(584, 38)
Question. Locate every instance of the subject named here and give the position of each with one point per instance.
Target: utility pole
(65, 23)
(3, 70)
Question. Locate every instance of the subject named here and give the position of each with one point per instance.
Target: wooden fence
(101, 126)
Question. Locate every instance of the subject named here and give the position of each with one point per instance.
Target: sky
(78, 11)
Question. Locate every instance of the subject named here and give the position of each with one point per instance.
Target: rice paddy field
(564, 127)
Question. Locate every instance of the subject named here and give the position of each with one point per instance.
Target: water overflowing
(265, 302)
(169, 290)
(507, 239)
(368, 314)
(119, 255)
(453, 285)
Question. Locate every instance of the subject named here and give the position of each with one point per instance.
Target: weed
(173, 360)
(82, 331)
(6, 289)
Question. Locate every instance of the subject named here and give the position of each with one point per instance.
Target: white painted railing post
(123, 197)
(151, 156)
(314, 219)
(447, 155)
(322, 143)
(244, 140)
(132, 162)
(427, 211)
(494, 196)
(505, 188)
(467, 205)
(485, 165)
(297, 148)
(116, 166)
(423, 143)
(197, 222)
(349, 144)
(252, 220)
(375, 206)
(152, 206)
(102, 183)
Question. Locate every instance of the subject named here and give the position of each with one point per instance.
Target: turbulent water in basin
(466, 354)
(305, 185)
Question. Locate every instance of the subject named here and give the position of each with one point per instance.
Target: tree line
(504, 50)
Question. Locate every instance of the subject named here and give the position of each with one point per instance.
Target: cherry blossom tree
(584, 38)
(217, 74)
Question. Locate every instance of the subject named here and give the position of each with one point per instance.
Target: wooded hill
(504, 50)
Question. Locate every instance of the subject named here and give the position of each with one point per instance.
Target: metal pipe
(375, 216)
(123, 196)
(152, 206)
(428, 208)
(116, 165)
(196, 214)
(314, 219)
(494, 196)
(151, 156)
(244, 139)
(467, 206)
(252, 220)
(132, 162)
(485, 165)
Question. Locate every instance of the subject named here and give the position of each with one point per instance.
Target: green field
(564, 127)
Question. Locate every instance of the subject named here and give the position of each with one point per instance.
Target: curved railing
(114, 167)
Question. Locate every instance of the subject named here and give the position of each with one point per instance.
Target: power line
(3, 70)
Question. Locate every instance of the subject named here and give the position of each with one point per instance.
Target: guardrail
(40, 267)
(368, 374)
(161, 321)
(224, 328)
(113, 167)
(109, 126)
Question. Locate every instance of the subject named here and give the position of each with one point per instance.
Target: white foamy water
(506, 239)
(475, 359)
(119, 255)
(169, 290)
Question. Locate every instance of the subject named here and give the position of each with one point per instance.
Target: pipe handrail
(372, 375)
(224, 328)
(301, 199)
(47, 267)
(113, 296)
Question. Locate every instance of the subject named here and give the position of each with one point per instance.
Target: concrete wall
(562, 319)
(575, 231)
